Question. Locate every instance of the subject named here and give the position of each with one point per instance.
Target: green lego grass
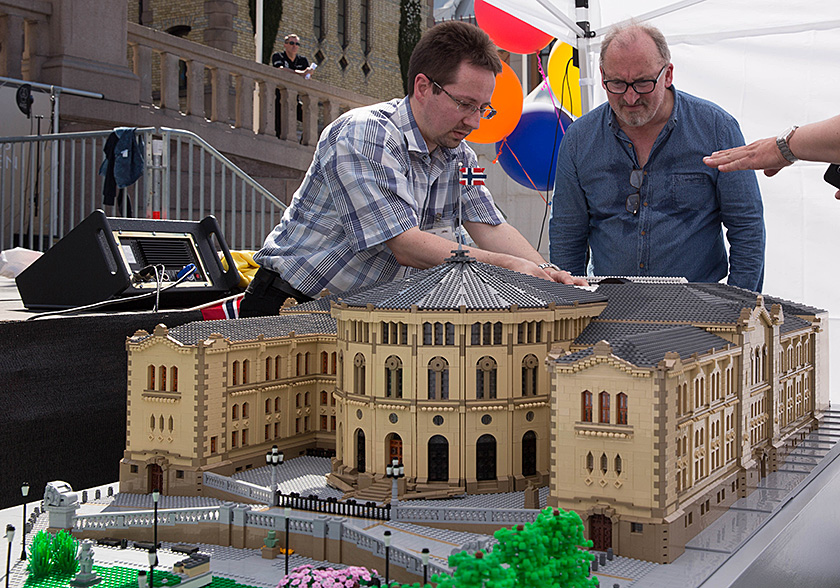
(120, 577)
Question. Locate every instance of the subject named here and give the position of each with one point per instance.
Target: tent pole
(583, 46)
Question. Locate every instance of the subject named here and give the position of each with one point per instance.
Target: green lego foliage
(542, 554)
(38, 564)
(64, 551)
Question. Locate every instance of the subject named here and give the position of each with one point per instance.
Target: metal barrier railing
(49, 183)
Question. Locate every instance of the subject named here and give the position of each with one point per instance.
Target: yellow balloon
(566, 88)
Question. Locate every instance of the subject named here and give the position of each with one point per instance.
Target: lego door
(438, 459)
(600, 532)
(395, 449)
(485, 452)
(155, 478)
(360, 451)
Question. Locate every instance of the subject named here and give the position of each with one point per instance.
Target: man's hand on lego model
(564, 277)
(762, 154)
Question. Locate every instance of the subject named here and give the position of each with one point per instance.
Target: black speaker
(104, 258)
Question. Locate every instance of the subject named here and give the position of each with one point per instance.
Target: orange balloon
(507, 100)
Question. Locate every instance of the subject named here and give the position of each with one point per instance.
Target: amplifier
(106, 258)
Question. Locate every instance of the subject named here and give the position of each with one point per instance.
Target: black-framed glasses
(485, 112)
(632, 202)
(292, 43)
(639, 86)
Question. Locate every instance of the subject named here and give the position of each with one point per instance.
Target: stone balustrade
(212, 85)
(24, 33)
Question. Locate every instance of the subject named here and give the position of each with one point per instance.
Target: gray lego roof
(463, 281)
(646, 349)
(247, 329)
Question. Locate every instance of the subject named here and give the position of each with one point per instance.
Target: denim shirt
(682, 205)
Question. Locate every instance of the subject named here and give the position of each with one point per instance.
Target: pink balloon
(508, 32)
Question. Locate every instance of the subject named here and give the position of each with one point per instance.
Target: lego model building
(661, 404)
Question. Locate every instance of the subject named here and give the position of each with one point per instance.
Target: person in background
(382, 196)
(818, 141)
(289, 57)
(631, 185)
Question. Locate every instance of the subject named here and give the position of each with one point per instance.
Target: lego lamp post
(394, 471)
(10, 536)
(152, 561)
(153, 552)
(287, 514)
(425, 557)
(387, 538)
(273, 459)
(24, 490)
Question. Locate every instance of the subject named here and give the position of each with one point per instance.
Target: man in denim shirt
(631, 184)
(382, 195)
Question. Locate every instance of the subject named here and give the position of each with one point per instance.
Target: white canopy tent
(771, 64)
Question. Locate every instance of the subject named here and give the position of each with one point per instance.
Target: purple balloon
(531, 148)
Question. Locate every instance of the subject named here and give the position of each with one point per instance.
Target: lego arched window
(485, 458)
(152, 421)
(333, 362)
(171, 424)
(529, 454)
(529, 375)
(298, 364)
(497, 333)
(485, 378)
(297, 400)
(174, 385)
(590, 462)
(586, 406)
(246, 365)
(306, 399)
(475, 334)
(234, 412)
(324, 398)
(150, 383)
(393, 377)
(235, 374)
(621, 417)
(325, 362)
(438, 333)
(360, 451)
(277, 367)
(160, 421)
(359, 374)
(162, 373)
(267, 405)
(276, 404)
(438, 453)
(306, 362)
(427, 333)
(438, 379)
(617, 464)
(267, 368)
(604, 407)
(604, 463)
(244, 410)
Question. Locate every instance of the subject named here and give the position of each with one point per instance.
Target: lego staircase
(379, 492)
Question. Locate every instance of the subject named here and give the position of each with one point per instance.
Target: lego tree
(542, 554)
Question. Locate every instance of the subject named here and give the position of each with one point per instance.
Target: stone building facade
(354, 42)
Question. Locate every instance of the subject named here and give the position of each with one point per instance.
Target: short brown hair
(630, 31)
(443, 48)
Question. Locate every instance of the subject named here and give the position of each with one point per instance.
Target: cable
(103, 303)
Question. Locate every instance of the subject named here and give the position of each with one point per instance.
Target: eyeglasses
(632, 202)
(292, 43)
(485, 112)
(639, 86)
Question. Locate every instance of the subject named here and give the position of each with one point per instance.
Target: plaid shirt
(371, 179)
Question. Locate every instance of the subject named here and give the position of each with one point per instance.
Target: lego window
(244, 410)
(333, 362)
(152, 421)
(590, 462)
(234, 439)
(475, 334)
(604, 463)
(267, 369)
(244, 437)
(529, 454)
(171, 424)
(604, 407)
(267, 405)
(235, 374)
(360, 451)
(306, 362)
(617, 464)
(621, 417)
(267, 432)
(150, 384)
(324, 422)
(497, 333)
(160, 421)
(324, 398)
(636, 527)
(276, 404)
(276, 430)
(393, 377)
(384, 328)
(214, 442)
(174, 385)
(162, 373)
(306, 399)
(359, 374)
(245, 369)
(277, 367)
(325, 362)
(529, 375)
(297, 400)
(586, 406)
(234, 412)
(438, 379)
(438, 333)
(485, 378)
(485, 452)
(332, 422)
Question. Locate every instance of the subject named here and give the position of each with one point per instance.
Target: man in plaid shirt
(381, 196)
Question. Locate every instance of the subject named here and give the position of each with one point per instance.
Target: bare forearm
(818, 141)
